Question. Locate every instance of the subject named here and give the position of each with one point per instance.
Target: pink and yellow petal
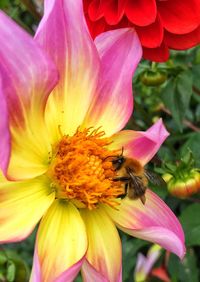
(70, 273)
(27, 77)
(104, 247)
(120, 52)
(153, 221)
(90, 274)
(5, 141)
(63, 34)
(61, 243)
(22, 204)
(141, 145)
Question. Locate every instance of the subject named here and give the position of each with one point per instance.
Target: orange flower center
(82, 172)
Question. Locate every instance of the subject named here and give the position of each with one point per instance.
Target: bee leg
(122, 196)
(122, 179)
(126, 188)
(143, 199)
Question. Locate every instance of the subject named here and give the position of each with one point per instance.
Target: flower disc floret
(82, 171)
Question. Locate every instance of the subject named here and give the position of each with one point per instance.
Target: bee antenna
(108, 157)
(115, 156)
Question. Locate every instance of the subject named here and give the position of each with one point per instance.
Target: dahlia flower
(64, 100)
(160, 24)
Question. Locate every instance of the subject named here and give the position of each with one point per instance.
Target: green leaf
(3, 3)
(22, 271)
(192, 144)
(3, 257)
(165, 154)
(161, 191)
(176, 96)
(185, 270)
(15, 267)
(196, 75)
(190, 221)
(78, 278)
(184, 88)
(197, 113)
(11, 270)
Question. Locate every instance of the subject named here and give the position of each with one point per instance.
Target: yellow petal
(22, 204)
(61, 241)
(2, 177)
(104, 246)
(31, 150)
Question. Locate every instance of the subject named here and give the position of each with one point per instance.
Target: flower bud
(153, 78)
(167, 177)
(185, 186)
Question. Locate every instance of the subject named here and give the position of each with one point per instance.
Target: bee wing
(131, 191)
(136, 185)
(135, 180)
(154, 178)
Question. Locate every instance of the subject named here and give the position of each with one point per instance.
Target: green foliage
(176, 96)
(130, 248)
(23, 12)
(186, 270)
(193, 143)
(12, 267)
(4, 4)
(190, 221)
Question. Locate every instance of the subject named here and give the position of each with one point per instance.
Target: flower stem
(186, 122)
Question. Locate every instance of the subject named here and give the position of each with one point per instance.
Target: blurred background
(168, 90)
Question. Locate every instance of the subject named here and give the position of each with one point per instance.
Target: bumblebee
(134, 176)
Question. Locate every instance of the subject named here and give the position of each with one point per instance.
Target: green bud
(153, 78)
(186, 186)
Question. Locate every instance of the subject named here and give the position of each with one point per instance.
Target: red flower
(161, 24)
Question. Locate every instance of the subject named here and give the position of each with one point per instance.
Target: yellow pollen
(82, 172)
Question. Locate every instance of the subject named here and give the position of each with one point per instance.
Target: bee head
(118, 162)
